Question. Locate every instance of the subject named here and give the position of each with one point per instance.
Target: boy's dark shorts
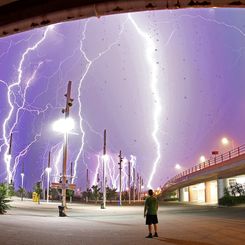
(151, 219)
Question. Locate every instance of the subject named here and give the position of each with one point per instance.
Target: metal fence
(204, 165)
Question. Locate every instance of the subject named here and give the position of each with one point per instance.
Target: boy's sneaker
(155, 235)
(149, 236)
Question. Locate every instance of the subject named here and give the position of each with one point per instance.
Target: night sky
(167, 86)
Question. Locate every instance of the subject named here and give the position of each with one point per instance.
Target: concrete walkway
(30, 223)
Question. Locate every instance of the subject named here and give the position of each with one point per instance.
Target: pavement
(31, 223)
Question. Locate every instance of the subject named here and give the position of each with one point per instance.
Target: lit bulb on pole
(63, 125)
(48, 170)
(226, 142)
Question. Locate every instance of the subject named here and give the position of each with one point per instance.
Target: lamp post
(22, 181)
(120, 177)
(9, 155)
(48, 170)
(104, 158)
(65, 126)
(129, 179)
(134, 184)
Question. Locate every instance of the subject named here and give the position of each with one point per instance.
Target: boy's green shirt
(151, 204)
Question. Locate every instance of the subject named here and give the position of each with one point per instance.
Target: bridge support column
(184, 194)
(211, 192)
(222, 184)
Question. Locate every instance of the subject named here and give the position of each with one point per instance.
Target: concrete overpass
(215, 171)
(21, 15)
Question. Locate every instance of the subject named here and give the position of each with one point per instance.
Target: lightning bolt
(23, 153)
(10, 95)
(156, 97)
(113, 171)
(89, 63)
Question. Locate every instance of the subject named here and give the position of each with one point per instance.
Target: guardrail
(204, 165)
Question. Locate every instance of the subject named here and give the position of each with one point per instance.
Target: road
(30, 223)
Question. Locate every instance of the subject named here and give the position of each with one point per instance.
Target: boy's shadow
(181, 242)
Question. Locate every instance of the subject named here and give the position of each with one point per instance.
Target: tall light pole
(104, 171)
(66, 111)
(71, 172)
(87, 180)
(129, 179)
(138, 188)
(120, 178)
(48, 170)
(71, 180)
(22, 181)
(134, 184)
(9, 158)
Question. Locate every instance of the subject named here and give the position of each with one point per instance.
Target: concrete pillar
(181, 195)
(197, 193)
(207, 186)
(222, 184)
(211, 193)
(184, 194)
(189, 194)
(178, 194)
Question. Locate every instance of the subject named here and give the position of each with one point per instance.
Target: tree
(10, 190)
(3, 199)
(70, 194)
(237, 189)
(111, 193)
(87, 195)
(21, 192)
(38, 190)
(55, 194)
(125, 195)
(95, 192)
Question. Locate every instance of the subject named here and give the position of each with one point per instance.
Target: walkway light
(202, 159)
(224, 141)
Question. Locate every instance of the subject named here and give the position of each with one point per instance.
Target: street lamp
(65, 126)
(8, 157)
(22, 185)
(225, 142)
(105, 159)
(48, 170)
(202, 159)
(177, 166)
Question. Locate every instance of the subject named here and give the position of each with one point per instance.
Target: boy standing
(150, 212)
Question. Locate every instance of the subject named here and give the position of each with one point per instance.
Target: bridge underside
(21, 15)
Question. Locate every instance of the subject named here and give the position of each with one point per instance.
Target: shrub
(231, 200)
(4, 206)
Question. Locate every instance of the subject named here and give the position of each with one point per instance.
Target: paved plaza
(30, 223)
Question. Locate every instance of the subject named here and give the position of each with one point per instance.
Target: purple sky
(196, 58)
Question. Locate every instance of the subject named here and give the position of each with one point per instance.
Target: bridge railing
(204, 165)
